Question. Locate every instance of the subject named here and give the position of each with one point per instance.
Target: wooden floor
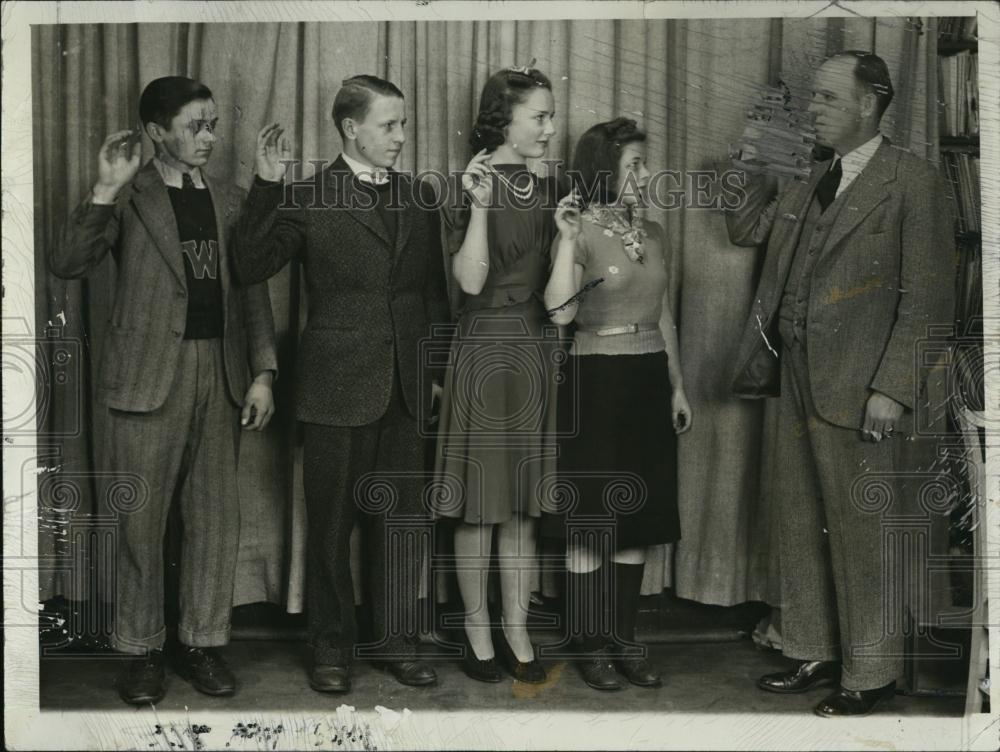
(699, 677)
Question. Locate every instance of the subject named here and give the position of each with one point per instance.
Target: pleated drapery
(687, 82)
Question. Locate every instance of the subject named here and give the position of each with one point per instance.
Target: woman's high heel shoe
(529, 673)
(477, 668)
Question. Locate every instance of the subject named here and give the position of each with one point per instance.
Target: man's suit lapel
(154, 208)
(866, 192)
(404, 219)
(350, 200)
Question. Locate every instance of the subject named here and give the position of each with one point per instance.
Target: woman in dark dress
(621, 401)
(498, 403)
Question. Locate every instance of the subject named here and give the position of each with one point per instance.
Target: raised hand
(272, 147)
(477, 180)
(117, 164)
(567, 216)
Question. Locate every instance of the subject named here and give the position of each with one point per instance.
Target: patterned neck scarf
(617, 222)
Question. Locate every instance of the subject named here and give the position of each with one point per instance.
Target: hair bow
(525, 70)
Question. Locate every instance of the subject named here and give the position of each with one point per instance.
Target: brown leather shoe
(328, 677)
(205, 669)
(599, 672)
(412, 673)
(847, 702)
(141, 681)
(806, 676)
(638, 671)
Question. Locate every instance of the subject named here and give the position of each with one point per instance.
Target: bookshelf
(958, 146)
(958, 125)
(959, 143)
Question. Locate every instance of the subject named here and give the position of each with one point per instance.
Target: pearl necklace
(522, 194)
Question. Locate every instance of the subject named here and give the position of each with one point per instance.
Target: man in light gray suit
(859, 264)
(185, 349)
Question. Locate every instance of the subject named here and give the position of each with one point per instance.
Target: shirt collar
(174, 176)
(855, 160)
(366, 173)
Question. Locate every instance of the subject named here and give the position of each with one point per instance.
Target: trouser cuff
(203, 639)
(139, 645)
(865, 680)
(802, 652)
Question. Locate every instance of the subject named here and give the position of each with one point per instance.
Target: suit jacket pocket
(115, 356)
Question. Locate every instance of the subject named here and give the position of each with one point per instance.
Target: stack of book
(777, 138)
(958, 88)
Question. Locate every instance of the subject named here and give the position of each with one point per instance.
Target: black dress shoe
(412, 673)
(141, 682)
(599, 672)
(847, 702)
(477, 668)
(806, 676)
(638, 671)
(328, 677)
(531, 672)
(205, 669)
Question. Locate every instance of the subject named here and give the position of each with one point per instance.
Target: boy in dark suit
(185, 350)
(370, 244)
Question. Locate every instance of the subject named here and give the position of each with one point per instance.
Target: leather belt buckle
(624, 329)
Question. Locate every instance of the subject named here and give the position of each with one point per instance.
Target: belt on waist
(623, 329)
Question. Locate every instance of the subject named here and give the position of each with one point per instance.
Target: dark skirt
(617, 466)
(498, 414)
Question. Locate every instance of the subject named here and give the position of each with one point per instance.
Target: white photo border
(26, 727)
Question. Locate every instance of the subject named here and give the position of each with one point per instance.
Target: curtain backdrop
(687, 82)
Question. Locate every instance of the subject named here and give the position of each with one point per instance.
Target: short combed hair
(872, 75)
(596, 158)
(163, 98)
(356, 95)
(502, 91)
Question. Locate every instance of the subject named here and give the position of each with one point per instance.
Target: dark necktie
(826, 190)
(187, 183)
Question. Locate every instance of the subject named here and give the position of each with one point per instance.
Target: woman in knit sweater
(620, 403)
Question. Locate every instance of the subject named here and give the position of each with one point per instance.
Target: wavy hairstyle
(596, 157)
(504, 90)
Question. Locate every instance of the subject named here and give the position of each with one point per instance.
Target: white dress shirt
(367, 173)
(855, 161)
(173, 176)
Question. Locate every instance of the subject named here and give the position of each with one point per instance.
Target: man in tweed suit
(175, 371)
(371, 248)
(858, 266)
